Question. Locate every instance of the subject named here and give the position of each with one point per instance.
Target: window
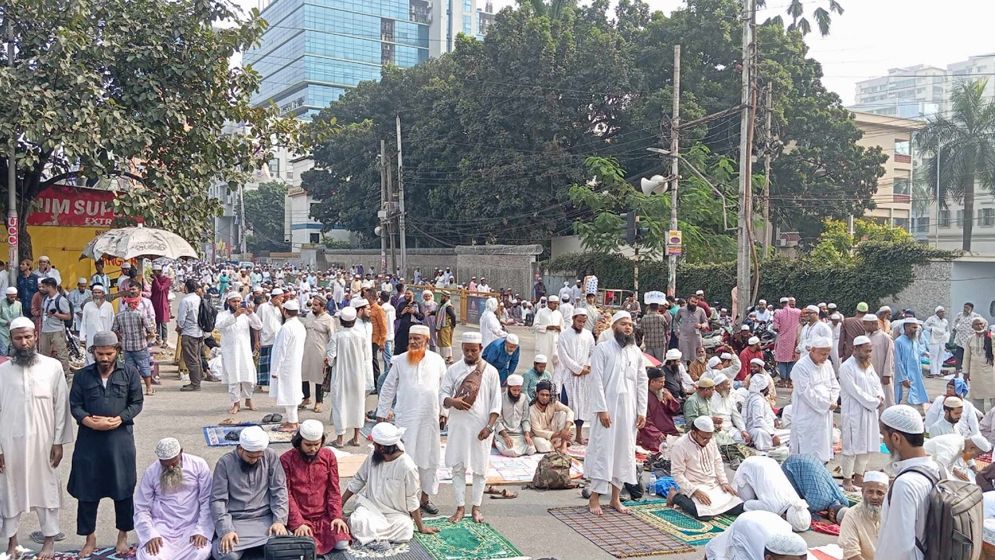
(944, 218)
(986, 216)
(274, 168)
(466, 25)
(901, 186)
(902, 223)
(467, 6)
(922, 224)
(960, 218)
(314, 238)
(902, 147)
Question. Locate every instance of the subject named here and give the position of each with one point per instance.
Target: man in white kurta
(762, 485)
(286, 375)
(472, 418)
(490, 326)
(746, 537)
(619, 398)
(862, 395)
(414, 380)
(937, 332)
(173, 506)
(724, 406)
(235, 324)
(548, 326)
(572, 375)
(810, 329)
(34, 425)
(98, 316)
(350, 353)
(813, 401)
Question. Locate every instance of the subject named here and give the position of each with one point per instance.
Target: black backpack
(206, 315)
(72, 310)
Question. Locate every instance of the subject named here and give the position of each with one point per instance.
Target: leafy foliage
(264, 211)
(835, 244)
(800, 23)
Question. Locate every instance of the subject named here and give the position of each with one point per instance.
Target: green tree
(138, 92)
(264, 210)
(796, 12)
(965, 142)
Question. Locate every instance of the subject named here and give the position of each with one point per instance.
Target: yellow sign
(675, 242)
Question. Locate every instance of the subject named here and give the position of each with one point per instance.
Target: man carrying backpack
(56, 311)
(191, 335)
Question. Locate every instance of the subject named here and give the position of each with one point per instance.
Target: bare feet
(12, 547)
(353, 443)
(122, 548)
(848, 485)
(234, 409)
(88, 546)
(858, 480)
(476, 515)
(594, 504)
(458, 516)
(616, 505)
(249, 405)
(47, 549)
(287, 428)
(317, 408)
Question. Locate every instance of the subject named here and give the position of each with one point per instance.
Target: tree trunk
(968, 214)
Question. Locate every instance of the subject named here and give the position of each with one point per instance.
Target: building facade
(911, 93)
(894, 198)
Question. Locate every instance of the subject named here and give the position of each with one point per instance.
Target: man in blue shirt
(503, 355)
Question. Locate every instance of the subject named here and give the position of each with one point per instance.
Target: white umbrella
(133, 242)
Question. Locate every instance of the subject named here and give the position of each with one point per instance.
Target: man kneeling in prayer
(552, 421)
(387, 491)
(172, 506)
(760, 481)
(514, 429)
(697, 468)
(785, 546)
(746, 538)
(815, 485)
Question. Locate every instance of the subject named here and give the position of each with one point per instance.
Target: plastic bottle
(652, 484)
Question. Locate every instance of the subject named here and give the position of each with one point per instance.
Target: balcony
(900, 158)
(901, 199)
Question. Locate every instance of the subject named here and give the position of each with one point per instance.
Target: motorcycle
(77, 354)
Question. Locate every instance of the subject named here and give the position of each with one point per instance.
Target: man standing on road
(34, 425)
(572, 379)
(937, 334)
(860, 389)
(963, 332)
(348, 354)
(55, 313)
(851, 328)
(46, 270)
(10, 309)
(786, 321)
(161, 284)
(814, 400)
(548, 326)
(79, 298)
(882, 357)
(271, 316)
(655, 326)
(191, 335)
(135, 331)
(288, 352)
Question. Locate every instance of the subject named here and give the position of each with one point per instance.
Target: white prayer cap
(471, 338)
(673, 354)
(822, 304)
(938, 309)
(753, 340)
(658, 298)
(22, 323)
(552, 299)
(700, 293)
(157, 267)
(124, 266)
(884, 309)
(705, 382)
(981, 443)
(98, 287)
(167, 448)
(233, 295)
(512, 338)
(784, 300)
(860, 340)
(348, 314)
(953, 402)
(253, 439)
(758, 383)
(417, 329)
(832, 305)
(786, 544)
(744, 328)
(515, 380)
(541, 359)
(704, 424)
(81, 281)
(798, 516)
(427, 293)
(821, 342)
(725, 356)
(385, 433)
(761, 302)
(619, 315)
(292, 305)
(876, 476)
(758, 362)
(579, 311)
(836, 317)
(311, 430)
(276, 292)
(720, 378)
(257, 289)
(869, 318)
(11, 291)
(358, 302)
(714, 361)
(812, 309)
(903, 418)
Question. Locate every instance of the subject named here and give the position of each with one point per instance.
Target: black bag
(289, 548)
(206, 316)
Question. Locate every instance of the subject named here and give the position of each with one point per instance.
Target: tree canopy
(264, 211)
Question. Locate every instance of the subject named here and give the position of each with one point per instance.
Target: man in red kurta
(660, 412)
(751, 351)
(313, 490)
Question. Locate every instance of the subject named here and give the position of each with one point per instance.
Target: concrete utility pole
(936, 236)
(769, 143)
(675, 123)
(743, 272)
(402, 231)
(383, 208)
(12, 225)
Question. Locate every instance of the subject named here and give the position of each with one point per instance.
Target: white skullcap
(257, 289)
(876, 476)
(714, 361)
(419, 329)
(83, 280)
(579, 311)
(725, 356)
(812, 309)
(832, 305)
(836, 317)
(759, 383)
(700, 293)
(157, 267)
(868, 318)
(541, 359)
(99, 287)
(512, 338)
(861, 340)
(11, 291)
(884, 309)
(704, 424)
(786, 544)
(720, 378)
(515, 380)
(427, 293)
(552, 299)
(903, 418)
(938, 309)
(253, 439)
(761, 301)
(349, 314)
(292, 305)
(744, 328)
(673, 354)
(233, 295)
(387, 434)
(753, 340)
(705, 382)
(22, 323)
(619, 315)
(758, 362)
(953, 402)
(167, 448)
(798, 516)
(276, 292)
(471, 338)
(981, 442)
(311, 430)
(821, 342)
(358, 302)
(124, 265)
(822, 304)
(656, 297)
(784, 300)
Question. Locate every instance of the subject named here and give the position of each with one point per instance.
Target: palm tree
(965, 143)
(796, 11)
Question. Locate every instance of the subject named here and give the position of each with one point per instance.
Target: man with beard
(882, 357)
(271, 316)
(104, 399)
(861, 395)
(414, 379)
(471, 401)
(696, 465)
(173, 506)
(723, 404)
(320, 328)
(286, 366)
(98, 315)
(248, 496)
(661, 407)
(313, 490)
(409, 313)
(859, 529)
(10, 309)
(573, 372)
(814, 399)
(386, 489)
(514, 427)
(548, 326)
(34, 425)
(349, 356)
(908, 369)
(619, 396)
(691, 321)
(535, 375)
(552, 422)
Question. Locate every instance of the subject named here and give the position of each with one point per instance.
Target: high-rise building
(912, 93)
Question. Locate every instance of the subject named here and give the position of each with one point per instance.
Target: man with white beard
(350, 355)
(859, 529)
(471, 399)
(861, 393)
(415, 378)
(619, 395)
(35, 423)
(572, 378)
(98, 316)
(813, 401)
(286, 367)
(173, 506)
(548, 325)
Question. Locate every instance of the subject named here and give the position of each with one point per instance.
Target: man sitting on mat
(552, 422)
(514, 437)
(697, 468)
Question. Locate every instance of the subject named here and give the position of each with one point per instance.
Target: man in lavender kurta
(786, 323)
(172, 506)
(161, 285)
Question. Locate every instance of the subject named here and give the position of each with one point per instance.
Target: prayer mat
(853, 497)
(827, 552)
(397, 551)
(618, 534)
(99, 554)
(466, 540)
(685, 528)
(215, 436)
(825, 527)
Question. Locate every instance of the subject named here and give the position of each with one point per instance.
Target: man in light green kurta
(699, 404)
(10, 309)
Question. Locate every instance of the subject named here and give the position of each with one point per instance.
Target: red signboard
(70, 206)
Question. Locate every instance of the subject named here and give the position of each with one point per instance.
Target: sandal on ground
(317, 409)
(504, 494)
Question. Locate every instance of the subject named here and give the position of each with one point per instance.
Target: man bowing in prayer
(173, 506)
(813, 401)
(349, 354)
(471, 399)
(619, 394)
(572, 377)
(861, 395)
(286, 372)
(34, 425)
(248, 496)
(315, 505)
(415, 378)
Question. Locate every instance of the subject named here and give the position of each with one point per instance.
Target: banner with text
(60, 205)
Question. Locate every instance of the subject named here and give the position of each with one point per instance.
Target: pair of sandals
(274, 418)
(502, 494)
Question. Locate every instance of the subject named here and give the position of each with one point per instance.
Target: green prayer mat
(677, 523)
(466, 540)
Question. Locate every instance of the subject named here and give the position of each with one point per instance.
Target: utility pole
(744, 284)
(241, 219)
(384, 212)
(936, 236)
(12, 225)
(768, 152)
(675, 123)
(402, 231)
